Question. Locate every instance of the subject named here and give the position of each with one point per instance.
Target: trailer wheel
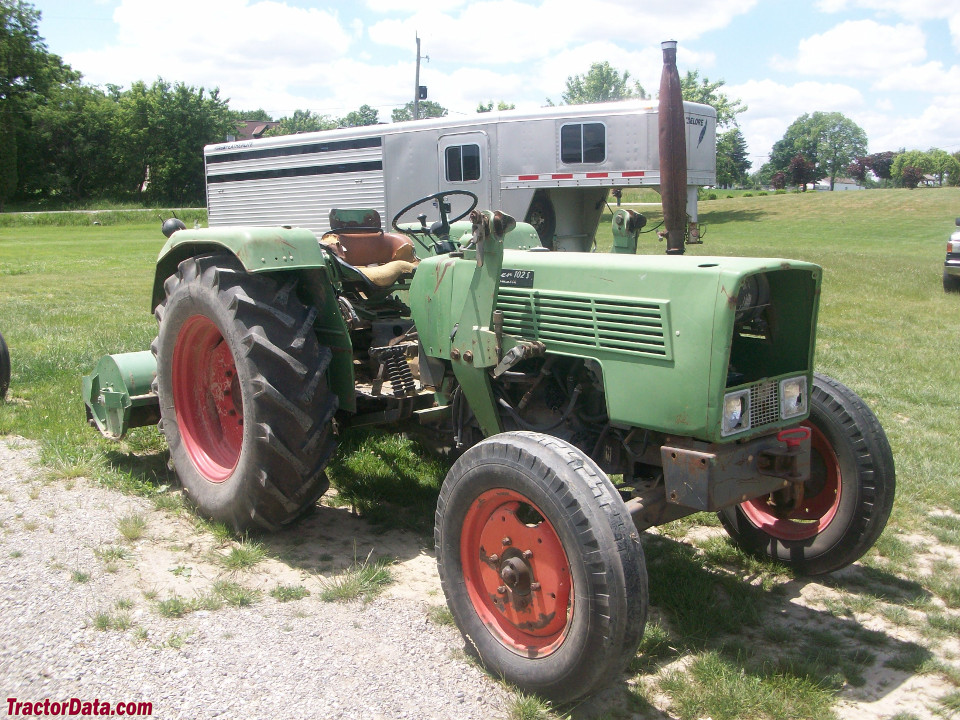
(846, 501)
(951, 283)
(541, 564)
(4, 368)
(543, 218)
(244, 400)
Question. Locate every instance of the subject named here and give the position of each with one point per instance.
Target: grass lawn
(886, 329)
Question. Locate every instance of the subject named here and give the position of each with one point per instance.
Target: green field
(886, 328)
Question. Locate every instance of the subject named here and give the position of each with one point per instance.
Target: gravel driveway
(65, 563)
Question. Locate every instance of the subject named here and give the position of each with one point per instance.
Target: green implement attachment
(118, 393)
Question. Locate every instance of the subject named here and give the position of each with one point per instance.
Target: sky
(892, 66)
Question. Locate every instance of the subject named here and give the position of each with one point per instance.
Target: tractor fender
(275, 249)
(260, 249)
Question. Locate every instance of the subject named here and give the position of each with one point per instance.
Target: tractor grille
(608, 323)
(764, 404)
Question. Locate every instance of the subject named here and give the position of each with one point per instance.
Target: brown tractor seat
(369, 248)
(357, 236)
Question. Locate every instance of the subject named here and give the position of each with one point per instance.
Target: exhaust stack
(673, 152)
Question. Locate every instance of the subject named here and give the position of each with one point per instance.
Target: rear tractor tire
(541, 565)
(846, 501)
(244, 400)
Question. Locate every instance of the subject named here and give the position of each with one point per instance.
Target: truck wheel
(846, 501)
(244, 400)
(541, 564)
(4, 368)
(543, 218)
(951, 283)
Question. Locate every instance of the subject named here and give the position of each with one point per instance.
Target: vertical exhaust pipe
(673, 152)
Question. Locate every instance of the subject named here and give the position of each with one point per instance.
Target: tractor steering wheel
(444, 226)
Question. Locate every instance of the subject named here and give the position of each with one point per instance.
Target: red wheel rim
(817, 511)
(206, 399)
(516, 572)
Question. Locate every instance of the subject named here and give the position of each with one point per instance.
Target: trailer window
(463, 163)
(583, 143)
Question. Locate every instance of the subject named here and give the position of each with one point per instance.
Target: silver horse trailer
(552, 167)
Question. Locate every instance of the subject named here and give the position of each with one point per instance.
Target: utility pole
(416, 86)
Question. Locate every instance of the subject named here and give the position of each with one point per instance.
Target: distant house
(838, 184)
(251, 129)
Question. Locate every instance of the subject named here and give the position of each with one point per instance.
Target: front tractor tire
(244, 401)
(846, 501)
(541, 564)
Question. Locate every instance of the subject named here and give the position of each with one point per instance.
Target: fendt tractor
(585, 396)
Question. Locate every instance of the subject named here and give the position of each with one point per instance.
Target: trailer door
(465, 165)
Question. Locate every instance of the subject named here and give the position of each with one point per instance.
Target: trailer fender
(275, 249)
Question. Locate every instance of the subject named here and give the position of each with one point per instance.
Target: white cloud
(247, 49)
(509, 31)
(385, 7)
(913, 10)
(857, 48)
(934, 126)
(931, 77)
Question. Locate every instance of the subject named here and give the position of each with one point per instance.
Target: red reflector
(633, 173)
(529, 177)
(562, 176)
(597, 175)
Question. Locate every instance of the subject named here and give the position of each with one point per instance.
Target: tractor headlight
(793, 397)
(736, 412)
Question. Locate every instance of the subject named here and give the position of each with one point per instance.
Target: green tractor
(586, 397)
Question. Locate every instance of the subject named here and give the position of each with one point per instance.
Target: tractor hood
(663, 329)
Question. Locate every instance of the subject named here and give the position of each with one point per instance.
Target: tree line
(64, 140)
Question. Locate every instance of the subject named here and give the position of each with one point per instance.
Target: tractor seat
(356, 237)
(369, 248)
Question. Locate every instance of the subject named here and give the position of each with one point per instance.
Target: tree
(258, 115)
(801, 172)
(911, 176)
(943, 164)
(839, 141)
(880, 164)
(428, 109)
(365, 115)
(778, 181)
(501, 105)
(915, 160)
(829, 140)
(701, 90)
(8, 159)
(302, 121)
(858, 170)
(27, 71)
(732, 162)
(73, 142)
(602, 83)
(163, 130)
